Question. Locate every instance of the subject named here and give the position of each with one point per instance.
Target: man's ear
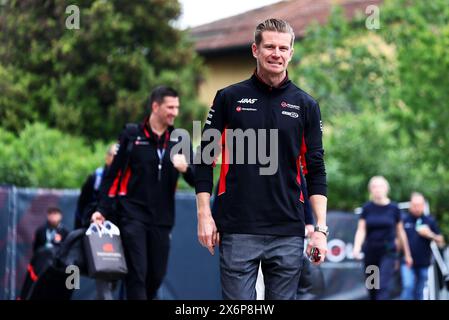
(254, 49)
(154, 107)
(291, 55)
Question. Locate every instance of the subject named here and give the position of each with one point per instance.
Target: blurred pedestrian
(47, 241)
(89, 196)
(142, 183)
(421, 230)
(378, 226)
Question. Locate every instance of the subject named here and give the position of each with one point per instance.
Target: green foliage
(383, 95)
(43, 157)
(93, 80)
(347, 72)
(361, 146)
(13, 99)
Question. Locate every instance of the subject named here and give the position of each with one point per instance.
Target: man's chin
(275, 71)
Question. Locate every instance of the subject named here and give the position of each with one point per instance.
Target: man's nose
(276, 52)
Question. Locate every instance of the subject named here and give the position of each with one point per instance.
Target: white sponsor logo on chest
(291, 106)
(290, 114)
(240, 109)
(247, 100)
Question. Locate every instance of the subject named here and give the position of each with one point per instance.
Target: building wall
(223, 70)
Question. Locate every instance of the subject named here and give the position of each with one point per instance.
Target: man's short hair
(51, 210)
(159, 93)
(277, 25)
(112, 149)
(416, 194)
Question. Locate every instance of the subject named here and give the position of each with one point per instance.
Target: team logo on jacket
(140, 142)
(291, 106)
(247, 100)
(239, 109)
(290, 114)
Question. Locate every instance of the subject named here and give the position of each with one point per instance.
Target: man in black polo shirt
(421, 230)
(260, 214)
(144, 178)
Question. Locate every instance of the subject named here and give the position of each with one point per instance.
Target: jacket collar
(149, 132)
(266, 87)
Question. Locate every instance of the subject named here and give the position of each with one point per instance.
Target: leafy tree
(93, 80)
(361, 146)
(383, 95)
(356, 71)
(43, 157)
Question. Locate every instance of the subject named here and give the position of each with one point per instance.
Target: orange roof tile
(238, 31)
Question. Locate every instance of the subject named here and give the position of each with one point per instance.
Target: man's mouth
(275, 63)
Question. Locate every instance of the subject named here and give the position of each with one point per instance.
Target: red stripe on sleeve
(113, 189)
(303, 152)
(224, 164)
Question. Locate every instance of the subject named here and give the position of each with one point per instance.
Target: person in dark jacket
(52, 233)
(143, 176)
(47, 241)
(260, 213)
(87, 205)
(89, 196)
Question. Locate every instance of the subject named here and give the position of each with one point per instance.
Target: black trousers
(385, 262)
(146, 251)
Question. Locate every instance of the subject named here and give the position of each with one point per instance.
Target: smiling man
(260, 217)
(144, 177)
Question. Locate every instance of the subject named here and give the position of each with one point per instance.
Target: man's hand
(208, 235)
(180, 163)
(317, 240)
(439, 239)
(97, 217)
(356, 253)
(425, 231)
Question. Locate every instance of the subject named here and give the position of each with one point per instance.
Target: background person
(47, 241)
(421, 230)
(89, 196)
(144, 178)
(377, 228)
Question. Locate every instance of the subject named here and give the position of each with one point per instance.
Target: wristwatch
(322, 229)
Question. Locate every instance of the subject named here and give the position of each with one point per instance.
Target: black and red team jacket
(141, 194)
(249, 202)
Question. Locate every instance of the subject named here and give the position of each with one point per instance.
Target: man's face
(273, 53)
(417, 205)
(167, 110)
(54, 218)
(110, 155)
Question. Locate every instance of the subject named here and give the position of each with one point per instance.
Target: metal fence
(193, 274)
